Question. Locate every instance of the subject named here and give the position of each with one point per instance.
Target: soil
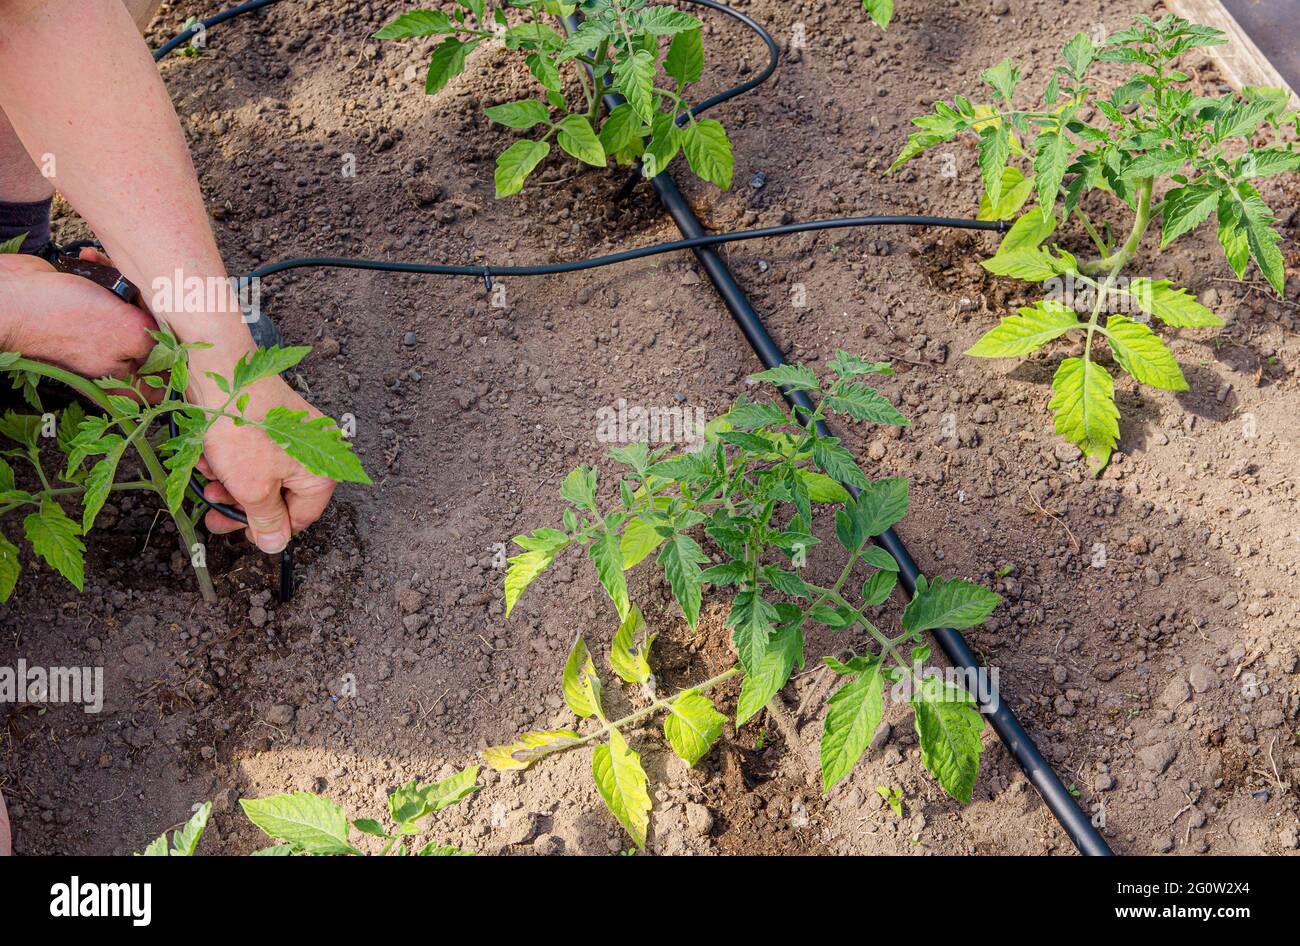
(1163, 684)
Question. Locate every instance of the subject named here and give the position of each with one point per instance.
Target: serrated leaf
(621, 128)
(1186, 208)
(606, 554)
(821, 488)
(308, 823)
(665, 142)
(877, 557)
(994, 149)
(622, 784)
(877, 588)
(522, 570)
(185, 840)
(881, 504)
(836, 461)
(761, 683)
(708, 151)
(948, 725)
(516, 163)
(316, 443)
(748, 415)
(664, 21)
(1083, 405)
(692, 725)
(528, 748)
(629, 659)
(98, 483)
(1030, 329)
(1051, 158)
(1015, 190)
(634, 80)
(1176, 307)
(1029, 230)
(864, 403)
(752, 619)
(793, 377)
(1026, 262)
(852, 714)
(265, 362)
(1141, 353)
(55, 538)
(681, 558)
(948, 603)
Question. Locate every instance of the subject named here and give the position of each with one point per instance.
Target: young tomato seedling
(751, 491)
(305, 823)
(91, 448)
(618, 47)
(1161, 153)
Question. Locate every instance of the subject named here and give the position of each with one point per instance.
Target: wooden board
(1241, 61)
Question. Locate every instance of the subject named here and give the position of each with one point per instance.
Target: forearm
(77, 82)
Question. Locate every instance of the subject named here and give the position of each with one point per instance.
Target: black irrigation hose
(1062, 805)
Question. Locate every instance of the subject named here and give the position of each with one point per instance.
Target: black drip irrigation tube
(1003, 720)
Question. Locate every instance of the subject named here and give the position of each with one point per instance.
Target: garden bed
(1162, 685)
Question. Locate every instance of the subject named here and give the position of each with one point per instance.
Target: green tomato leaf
(761, 683)
(606, 554)
(316, 443)
(852, 714)
(752, 619)
(576, 136)
(948, 725)
(447, 62)
(308, 823)
(708, 151)
(863, 403)
(948, 603)
(685, 59)
(520, 115)
(516, 163)
(55, 538)
(10, 567)
(1176, 307)
(416, 23)
(681, 558)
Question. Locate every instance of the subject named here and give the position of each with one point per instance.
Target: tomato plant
(1160, 152)
(619, 45)
(306, 823)
(750, 492)
(91, 447)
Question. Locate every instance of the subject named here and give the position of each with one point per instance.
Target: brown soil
(469, 432)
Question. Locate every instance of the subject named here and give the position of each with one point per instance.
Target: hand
(68, 321)
(250, 471)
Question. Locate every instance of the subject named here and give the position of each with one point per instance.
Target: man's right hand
(69, 321)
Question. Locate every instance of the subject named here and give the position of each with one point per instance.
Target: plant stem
(155, 469)
(658, 704)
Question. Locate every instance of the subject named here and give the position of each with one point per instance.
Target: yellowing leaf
(1143, 355)
(692, 725)
(622, 783)
(1084, 408)
(1027, 331)
(528, 748)
(581, 685)
(631, 662)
